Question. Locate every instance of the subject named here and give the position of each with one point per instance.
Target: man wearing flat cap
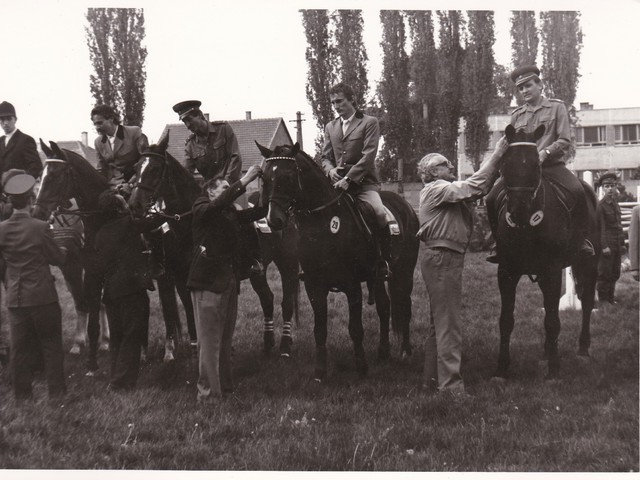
(17, 149)
(552, 146)
(27, 248)
(118, 147)
(611, 237)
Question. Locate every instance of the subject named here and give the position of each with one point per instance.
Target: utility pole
(299, 121)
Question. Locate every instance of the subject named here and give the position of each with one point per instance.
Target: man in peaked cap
(611, 237)
(27, 249)
(552, 146)
(17, 150)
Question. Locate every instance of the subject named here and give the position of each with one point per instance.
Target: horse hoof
(317, 380)
(583, 352)
(497, 380)
(104, 347)
(75, 350)
(406, 355)
(269, 342)
(285, 346)
(168, 357)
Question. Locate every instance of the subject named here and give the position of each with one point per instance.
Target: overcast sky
(241, 55)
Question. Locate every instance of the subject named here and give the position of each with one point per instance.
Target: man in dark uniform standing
(27, 249)
(17, 150)
(552, 146)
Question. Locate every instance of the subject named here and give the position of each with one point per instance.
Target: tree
(479, 89)
(450, 59)
(320, 56)
(423, 93)
(114, 38)
(504, 88)
(351, 53)
(524, 38)
(393, 91)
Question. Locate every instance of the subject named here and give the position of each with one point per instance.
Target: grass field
(280, 419)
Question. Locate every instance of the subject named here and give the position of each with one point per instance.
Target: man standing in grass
(446, 225)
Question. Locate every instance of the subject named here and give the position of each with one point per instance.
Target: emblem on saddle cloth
(334, 225)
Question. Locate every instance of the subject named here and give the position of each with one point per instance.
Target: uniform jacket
(356, 150)
(218, 154)
(20, 153)
(119, 249)
(553, 115)
(117, 165)
(216, 229)
(27, 248)
(445, 218)
(610, 221)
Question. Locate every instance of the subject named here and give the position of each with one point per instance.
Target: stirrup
(493, 257)
(586, 249)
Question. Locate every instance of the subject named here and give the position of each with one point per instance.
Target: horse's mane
(92, 180)
(184, 182)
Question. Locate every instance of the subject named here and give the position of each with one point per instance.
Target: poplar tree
(524, 38)
(351, 53)
(115, 39)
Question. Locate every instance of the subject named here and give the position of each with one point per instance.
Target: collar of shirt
(346, 123)
(8, 136)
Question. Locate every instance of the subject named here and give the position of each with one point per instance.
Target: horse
(68, 176)
(534, 235)
(336, 254)
(165, 185)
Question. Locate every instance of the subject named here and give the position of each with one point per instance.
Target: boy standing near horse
(348, 158)
(552, 146)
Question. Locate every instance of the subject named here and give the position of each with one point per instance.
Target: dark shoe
(493, 256)
(285, 346)
(586, 249)
(256, 268)
(383, 272)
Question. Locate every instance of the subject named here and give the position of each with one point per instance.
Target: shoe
(586, 249)
(383, 272)
(493, 256)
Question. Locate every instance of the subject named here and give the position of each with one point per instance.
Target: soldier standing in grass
(611, 238)
(446, 224)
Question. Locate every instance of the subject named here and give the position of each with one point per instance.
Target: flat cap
(16, 182)
(185, 108)
(525, 73)
(7, 110)
(610, 176)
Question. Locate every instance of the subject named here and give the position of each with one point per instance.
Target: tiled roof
(75, 146)
(266, 131)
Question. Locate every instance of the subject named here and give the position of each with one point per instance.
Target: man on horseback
(552, 146)
(348, 158)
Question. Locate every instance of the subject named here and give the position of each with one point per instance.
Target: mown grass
(280, 419)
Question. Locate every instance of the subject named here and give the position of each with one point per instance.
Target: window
(627, 134)
(591, 136)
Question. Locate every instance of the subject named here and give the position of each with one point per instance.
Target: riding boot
(384, 245)
(251, 255)
(579, 216)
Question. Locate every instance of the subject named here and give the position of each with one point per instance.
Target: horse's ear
(510, 133)
(45, 149)
(56, 150)
(163, 143)
(295, 149)
(266, 153)
(538, 132)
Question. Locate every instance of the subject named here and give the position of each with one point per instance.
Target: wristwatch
(547, 151)
(347, 179)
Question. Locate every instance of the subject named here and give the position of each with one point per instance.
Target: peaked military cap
(16, 182)
(610, 176)
(185, 108)
(525, 73)
(7, 110)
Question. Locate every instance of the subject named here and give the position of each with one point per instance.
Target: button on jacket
(27, 247)
(217, 154)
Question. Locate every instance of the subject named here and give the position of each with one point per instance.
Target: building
(605, 139)
(81, 147)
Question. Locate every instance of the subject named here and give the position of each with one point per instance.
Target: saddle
(364, 217)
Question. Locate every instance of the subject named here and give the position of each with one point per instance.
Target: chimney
(247, 115)
(586, 106)
(84, 138)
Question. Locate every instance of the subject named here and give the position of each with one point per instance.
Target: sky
(249, 55)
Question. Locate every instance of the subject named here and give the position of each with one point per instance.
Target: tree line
(426, 87)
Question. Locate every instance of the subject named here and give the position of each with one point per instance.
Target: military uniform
(217, 154)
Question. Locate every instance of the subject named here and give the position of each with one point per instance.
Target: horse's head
(150, 175)
(521, 173)
(280, 182)
(56, 185)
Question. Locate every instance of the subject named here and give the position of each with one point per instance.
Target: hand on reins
(341, 184)
(254, 172)
(334, 176)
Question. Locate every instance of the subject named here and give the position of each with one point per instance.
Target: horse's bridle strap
(518, 144)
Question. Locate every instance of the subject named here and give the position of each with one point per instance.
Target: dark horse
(335, 254)
(535, 237)
(67, 176)
(165, 185)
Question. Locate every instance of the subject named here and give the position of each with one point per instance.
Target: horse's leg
(356, 332)
(103, 341)
(401, 286)
(72, 273)
(261, 287)
(551, 286)
(93, 292)
(383, 307)
(167, 294)
(317, 294)
(181, 271)
(288, 268)
(507, 283)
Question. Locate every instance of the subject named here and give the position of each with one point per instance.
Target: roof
(75, 146)
(265, 131)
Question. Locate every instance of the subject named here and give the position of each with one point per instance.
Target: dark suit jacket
(356, 150)
(216, 228)
(27, 248)
(117, 165)
(20, 153)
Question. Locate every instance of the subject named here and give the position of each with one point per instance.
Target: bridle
(537, 216)
(277, 199)
(533, 190)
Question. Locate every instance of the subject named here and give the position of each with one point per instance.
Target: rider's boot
(383, 270)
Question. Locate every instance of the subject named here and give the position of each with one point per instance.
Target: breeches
(442, 275)
(215, 317)
(372, 197)
(608, 274)
(36, 331)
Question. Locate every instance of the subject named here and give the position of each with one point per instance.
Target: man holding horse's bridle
(552, 147)
(348, 158)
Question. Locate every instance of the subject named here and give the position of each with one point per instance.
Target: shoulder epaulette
(518, 108)
(556, 100)
(189, 138)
